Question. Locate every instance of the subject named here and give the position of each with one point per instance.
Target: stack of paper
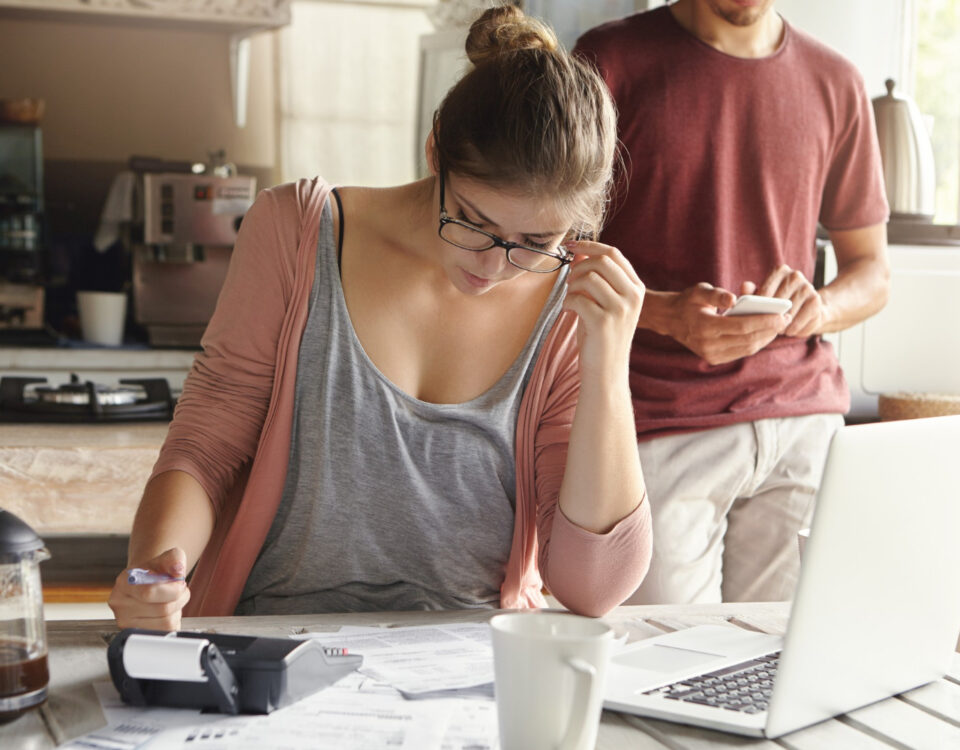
(448, 669)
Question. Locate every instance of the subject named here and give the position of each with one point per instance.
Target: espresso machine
(189, 224)
(21, 226)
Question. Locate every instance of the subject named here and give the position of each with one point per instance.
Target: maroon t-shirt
(731, 163)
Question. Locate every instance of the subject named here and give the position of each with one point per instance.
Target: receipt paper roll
(153, 657)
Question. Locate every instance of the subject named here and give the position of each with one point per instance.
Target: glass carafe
(23, 637)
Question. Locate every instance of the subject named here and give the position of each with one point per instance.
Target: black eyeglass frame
(495, 241)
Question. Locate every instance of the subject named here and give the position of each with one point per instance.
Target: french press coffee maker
(23, 638)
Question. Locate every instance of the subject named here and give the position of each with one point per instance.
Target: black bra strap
(336, 196)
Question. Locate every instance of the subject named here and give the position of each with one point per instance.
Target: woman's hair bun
(506, 28)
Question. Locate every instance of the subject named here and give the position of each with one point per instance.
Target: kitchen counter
(114, 435)
(77, 479)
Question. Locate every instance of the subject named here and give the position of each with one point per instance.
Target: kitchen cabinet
(911, 345)
(232, 16)
(238, 18)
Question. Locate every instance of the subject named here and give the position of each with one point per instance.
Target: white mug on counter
(549, 677)
(102, 316)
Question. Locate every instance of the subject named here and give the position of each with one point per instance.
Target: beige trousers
(727, 504)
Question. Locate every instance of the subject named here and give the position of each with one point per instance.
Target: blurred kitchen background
(135, 133)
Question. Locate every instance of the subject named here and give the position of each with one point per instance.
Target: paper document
(130, 727)
(328, 719)
(422, 660)
(359, 712)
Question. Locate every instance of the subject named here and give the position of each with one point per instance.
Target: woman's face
(511, 216)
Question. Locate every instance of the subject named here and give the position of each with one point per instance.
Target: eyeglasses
(468, 237)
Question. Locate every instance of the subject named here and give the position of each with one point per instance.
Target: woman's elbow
(596, 593)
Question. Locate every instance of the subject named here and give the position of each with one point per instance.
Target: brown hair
(530, 117)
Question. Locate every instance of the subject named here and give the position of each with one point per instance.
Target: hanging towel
(116, 209)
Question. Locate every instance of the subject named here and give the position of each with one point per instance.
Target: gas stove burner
(78, 392)
(31, 400)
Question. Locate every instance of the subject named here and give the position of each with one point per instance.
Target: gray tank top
(390, 503)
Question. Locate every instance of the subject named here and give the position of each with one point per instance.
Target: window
(937, 93)
(348, 82)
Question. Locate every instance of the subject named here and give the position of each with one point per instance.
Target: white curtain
(348, 87)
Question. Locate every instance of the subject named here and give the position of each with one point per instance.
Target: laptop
(876, 611)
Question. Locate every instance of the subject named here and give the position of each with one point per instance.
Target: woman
(401, 386)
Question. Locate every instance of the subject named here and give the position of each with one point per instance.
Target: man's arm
(862, 285)
(860, 290)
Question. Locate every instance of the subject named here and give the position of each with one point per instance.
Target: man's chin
(742, 18)
(745, 16)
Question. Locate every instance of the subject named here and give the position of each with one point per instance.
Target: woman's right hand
(154, 606)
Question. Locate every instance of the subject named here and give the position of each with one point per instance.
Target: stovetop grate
(17, 407)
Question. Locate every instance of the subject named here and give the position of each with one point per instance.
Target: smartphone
(754, 304)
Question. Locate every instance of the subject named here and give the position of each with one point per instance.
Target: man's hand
(809, 311)
(697, 323)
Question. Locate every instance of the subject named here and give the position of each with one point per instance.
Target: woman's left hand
(605, 292)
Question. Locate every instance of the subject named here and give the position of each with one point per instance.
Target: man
(741, 134)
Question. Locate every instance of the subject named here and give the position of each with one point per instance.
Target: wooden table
(928, 717)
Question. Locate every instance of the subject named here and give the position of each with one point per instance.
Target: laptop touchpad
(659, 658)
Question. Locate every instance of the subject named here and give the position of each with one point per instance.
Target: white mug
(102, 316)
(550, 672)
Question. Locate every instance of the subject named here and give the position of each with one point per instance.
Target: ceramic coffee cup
(550, 672)
(102, 316)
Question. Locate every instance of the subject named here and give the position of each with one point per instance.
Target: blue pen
(142, 575)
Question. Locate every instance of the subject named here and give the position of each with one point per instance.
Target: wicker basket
(916, 405)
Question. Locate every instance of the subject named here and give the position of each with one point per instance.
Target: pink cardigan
(231, 429)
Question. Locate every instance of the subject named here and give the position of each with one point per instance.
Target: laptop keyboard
(745, 687)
